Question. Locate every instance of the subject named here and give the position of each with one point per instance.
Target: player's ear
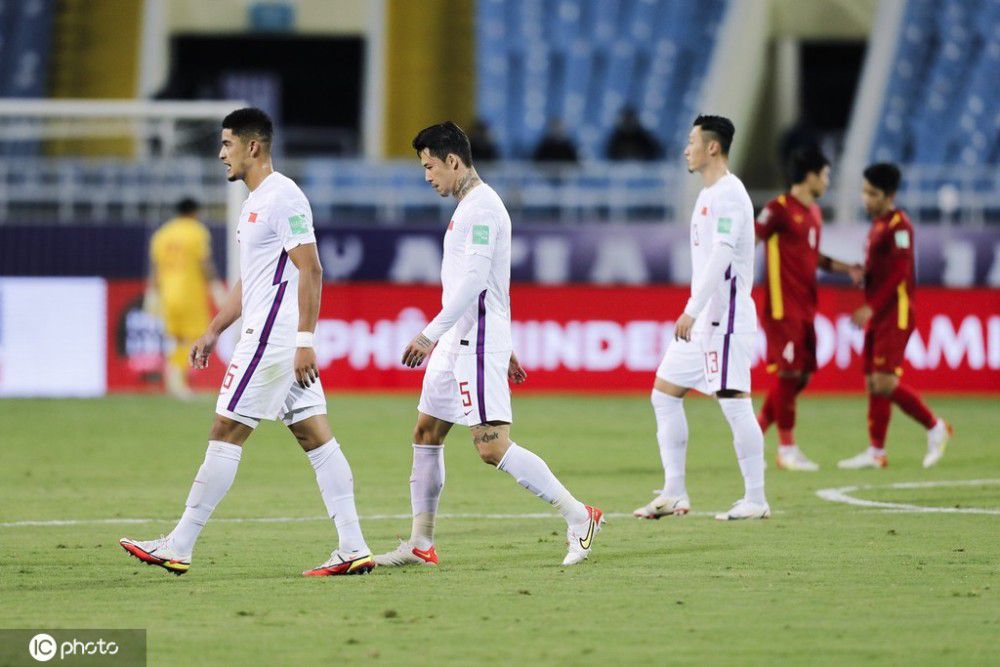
(452, 161)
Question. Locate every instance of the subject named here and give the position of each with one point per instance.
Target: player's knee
(882, 385)
(426, 435)
(228, 430)
(491, 454)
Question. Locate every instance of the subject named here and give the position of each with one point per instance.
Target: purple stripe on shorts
(725, 360)
(481, 358)
(730, 327)
(732, 300)
(265, 333)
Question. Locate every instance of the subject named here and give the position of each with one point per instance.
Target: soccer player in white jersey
(272, 374)
(466, 381)
(713, 341)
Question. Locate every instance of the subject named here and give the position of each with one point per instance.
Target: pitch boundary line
(843, 495)
(301, 519)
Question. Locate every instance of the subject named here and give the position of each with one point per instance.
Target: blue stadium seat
(583, 60)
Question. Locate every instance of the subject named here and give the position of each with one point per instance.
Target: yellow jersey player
(181, 274)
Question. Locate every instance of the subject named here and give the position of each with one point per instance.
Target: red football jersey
(791, 232)
(889, 270)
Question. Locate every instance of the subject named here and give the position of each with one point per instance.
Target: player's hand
(417, 351)
(683, 326)
(306, 372)
(202, 350)
(861, 316)
(857, 274)
(515, 371)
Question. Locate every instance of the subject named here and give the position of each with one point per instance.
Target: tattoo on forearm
(423, 341)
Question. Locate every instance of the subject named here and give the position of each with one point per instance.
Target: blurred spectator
(631, 141)
(555, 145)
(484, 148)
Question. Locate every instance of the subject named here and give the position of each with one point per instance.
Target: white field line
(300, 519)
(843, 495)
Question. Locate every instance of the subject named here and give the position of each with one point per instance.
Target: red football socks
(784, 408)
(910, 403)
(879, 410)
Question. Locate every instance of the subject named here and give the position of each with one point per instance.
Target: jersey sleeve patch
(298, 224)
(480, 235)
(902, 239)
(725, 225)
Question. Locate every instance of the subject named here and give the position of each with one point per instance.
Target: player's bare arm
(418, 350)
(228, 313)
(855, 271)
(306, 260)
(862, 315)
(515, 371)
(683, 327)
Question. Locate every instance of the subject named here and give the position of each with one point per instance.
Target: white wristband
(304, 339)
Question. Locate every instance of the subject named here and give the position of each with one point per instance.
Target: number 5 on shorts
(463, 388)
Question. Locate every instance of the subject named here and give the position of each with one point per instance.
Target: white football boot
(870, 458)
(159, 552)
(407, 554)
(794, 459)
(937, 441)
(744, 509)
(580, 539)
(663, 505)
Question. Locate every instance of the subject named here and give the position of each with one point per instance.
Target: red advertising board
(594, 339)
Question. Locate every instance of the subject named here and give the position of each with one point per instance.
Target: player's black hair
(720, 128)
(250, 123)
(442, 139)
(883, 175)
(803, 161)
(188, 206)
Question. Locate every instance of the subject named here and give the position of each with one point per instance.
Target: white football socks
(426, 484)
(532, 473)
(336, 485)
(213, 480)
(672, 436)
(748, 440)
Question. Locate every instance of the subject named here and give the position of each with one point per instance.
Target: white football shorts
(260, 384)
(468, 389)
(710, 362)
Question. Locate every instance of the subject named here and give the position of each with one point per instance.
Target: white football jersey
(275, 218)
(479, 226)
(723, 214)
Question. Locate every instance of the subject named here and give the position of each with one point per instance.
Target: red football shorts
(885, 347)
(791, 345)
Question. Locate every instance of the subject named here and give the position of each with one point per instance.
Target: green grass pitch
(819, 583)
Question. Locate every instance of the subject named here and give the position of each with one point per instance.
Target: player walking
(466, 381)
(790, 226)
(273, 373)
(180, 275)
(714, 337)
(887, 318)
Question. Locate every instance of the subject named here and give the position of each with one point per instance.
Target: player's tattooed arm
(418, 350)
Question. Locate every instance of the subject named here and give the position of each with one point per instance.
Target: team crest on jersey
(252, 218)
